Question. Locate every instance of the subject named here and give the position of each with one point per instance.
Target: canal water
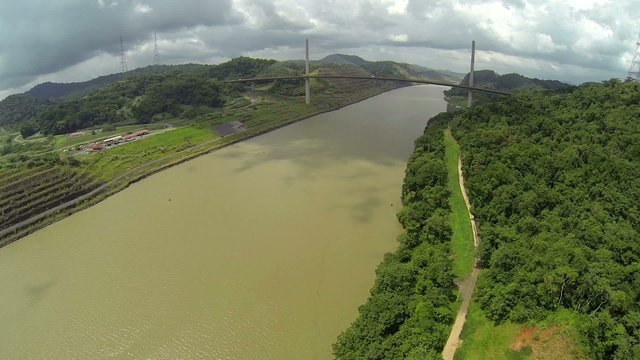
(262, 250)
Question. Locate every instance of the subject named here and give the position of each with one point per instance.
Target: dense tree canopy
(137, 97)
(555, 180)
(167, 96)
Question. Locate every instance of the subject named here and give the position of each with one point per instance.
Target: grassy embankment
(462, 238)
(28, 193)
(106, 165)
(553, 339)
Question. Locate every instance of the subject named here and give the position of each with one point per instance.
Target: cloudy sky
(75, 40)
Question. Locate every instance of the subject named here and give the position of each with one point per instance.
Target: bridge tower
(307, 87)
(634, 70)
(473, 60)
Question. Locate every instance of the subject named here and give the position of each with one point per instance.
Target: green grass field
(110, 163)
(462, 241)
(482, 340)
(556, 338)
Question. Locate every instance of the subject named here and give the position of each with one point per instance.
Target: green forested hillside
(555, 181)
(488, 79)
(391, 68)
(154, 93)
(507, 82)
(53, 91)
(19, 109)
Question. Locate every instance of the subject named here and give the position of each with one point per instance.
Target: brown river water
(262, 250)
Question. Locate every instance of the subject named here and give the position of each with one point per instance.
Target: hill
(391, 68)
(23, 108)
(342, 59)
(53, 91)
(513, 82)
(19, 109)
(119, 98)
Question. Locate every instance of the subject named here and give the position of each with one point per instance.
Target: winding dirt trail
(466, 286)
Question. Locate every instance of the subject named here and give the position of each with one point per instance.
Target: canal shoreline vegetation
(553, 178)
(412, 304)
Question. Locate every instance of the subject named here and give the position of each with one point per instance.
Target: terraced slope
(28, 192)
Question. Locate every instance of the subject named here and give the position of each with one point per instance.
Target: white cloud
(397, 6)
(142, 8)
(400, 38)
(567, 39)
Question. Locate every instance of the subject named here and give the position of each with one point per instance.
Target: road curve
(467, 285)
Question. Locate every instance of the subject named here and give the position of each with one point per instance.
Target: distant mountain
(53, 91)
(342, 59)
(140, 94)
(389, 68)
(50, 90)
(21, 108)
(489, 79)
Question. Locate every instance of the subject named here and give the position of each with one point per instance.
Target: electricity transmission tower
(634, 70)
(123, 59)
(156, 53)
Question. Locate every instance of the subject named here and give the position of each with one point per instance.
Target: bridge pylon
(307, 86)
(473, 60)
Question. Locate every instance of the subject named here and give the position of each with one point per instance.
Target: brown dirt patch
(524, 338)
(550, 343)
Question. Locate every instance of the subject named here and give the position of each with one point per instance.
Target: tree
(27, 130)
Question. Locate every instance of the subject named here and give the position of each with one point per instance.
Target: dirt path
(466, 286)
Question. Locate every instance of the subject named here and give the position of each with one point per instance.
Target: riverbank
(140, 172)
(413, 300)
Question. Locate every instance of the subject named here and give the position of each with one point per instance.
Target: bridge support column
(473, 60)
(253, 86)
(307, 87)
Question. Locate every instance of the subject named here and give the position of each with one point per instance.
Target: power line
(123, 59)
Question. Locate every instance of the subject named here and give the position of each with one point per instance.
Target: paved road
(466, 286)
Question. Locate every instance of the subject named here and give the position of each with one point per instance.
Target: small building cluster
(115, 140)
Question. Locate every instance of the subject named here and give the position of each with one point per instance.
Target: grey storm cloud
(566, 39)
(40, 37)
